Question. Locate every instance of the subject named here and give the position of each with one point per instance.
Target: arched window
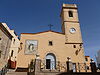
(12, 53)
(70, 14)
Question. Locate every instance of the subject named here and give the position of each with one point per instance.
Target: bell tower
(70, 23)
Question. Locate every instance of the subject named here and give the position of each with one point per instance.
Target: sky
(30, 16)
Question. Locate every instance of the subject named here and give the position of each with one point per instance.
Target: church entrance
(50, 61)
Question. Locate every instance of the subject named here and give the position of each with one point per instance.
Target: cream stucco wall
(15, 43)
(88, 61)
(59, 48)
(5, 43)
(71, 22)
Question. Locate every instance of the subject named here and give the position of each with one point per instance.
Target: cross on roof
(50, 26)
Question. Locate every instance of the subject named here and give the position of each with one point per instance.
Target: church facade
(53, 47)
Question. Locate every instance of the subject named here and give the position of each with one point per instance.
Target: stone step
(12, 72)
(17, 73)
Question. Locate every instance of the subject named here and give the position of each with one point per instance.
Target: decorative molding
(73, 43)
(72, 21)
(43, 32)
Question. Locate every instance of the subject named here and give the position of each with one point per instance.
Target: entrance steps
(12, 72)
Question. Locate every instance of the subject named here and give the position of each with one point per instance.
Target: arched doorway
(50, 61)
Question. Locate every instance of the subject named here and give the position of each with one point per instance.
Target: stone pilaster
(37, 66)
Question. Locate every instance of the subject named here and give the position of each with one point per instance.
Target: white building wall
(15, 43)
(5, 43)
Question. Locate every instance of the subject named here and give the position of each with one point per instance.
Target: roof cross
(50, 26)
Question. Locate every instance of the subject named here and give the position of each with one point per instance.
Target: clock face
(72, 30)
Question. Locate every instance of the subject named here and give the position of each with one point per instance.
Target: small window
(70, 14)
(86, 59)
(0, 38)
(74, 46)
(12, 53)
(50, 43)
